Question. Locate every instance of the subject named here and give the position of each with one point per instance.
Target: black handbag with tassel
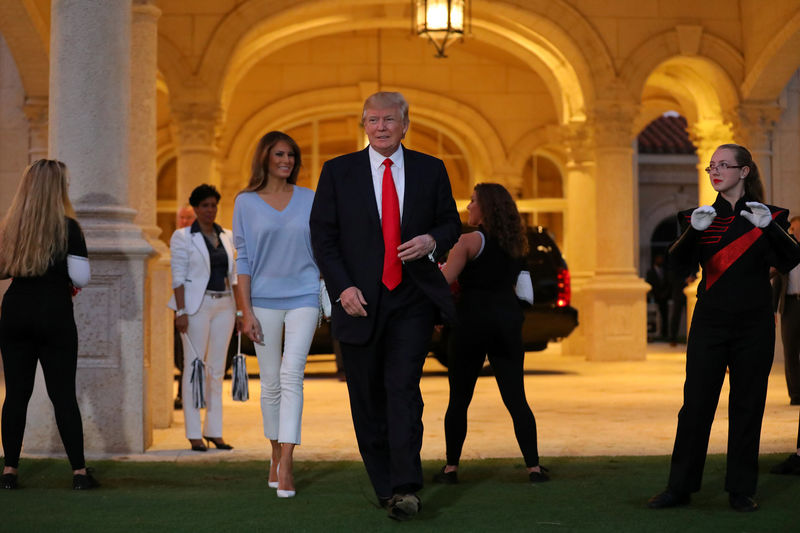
(240, 388)
(198, 375)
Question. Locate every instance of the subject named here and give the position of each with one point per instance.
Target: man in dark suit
(381, 217)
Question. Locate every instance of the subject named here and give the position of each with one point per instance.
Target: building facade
(146, 99)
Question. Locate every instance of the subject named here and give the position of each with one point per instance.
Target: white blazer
(191, 265)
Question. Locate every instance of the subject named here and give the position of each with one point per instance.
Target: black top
(735, 256)
(493, 269)
(218, 258)
(56, 276)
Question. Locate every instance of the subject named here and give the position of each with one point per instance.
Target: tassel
(198, 383)
(240, 388)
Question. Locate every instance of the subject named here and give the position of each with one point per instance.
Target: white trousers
(209, 331)
(282, 377)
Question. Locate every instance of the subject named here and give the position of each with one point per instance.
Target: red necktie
(390, 222)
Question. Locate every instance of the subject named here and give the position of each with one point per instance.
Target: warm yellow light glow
(440, 20)
(436, 17)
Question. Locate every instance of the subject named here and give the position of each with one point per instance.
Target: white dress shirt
(398, 175)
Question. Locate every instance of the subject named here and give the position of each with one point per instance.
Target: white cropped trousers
(209, 331)
(282, 374)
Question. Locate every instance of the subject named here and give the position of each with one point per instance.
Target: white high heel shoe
(274, 484)
(285, 493)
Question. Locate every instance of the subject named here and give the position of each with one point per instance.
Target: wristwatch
(180, 312)
(239, 313)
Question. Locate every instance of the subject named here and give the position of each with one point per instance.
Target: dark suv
(550, 317)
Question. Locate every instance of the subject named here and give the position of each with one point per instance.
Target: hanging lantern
(442, 21)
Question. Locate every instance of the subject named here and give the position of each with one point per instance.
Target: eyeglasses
(722, 166)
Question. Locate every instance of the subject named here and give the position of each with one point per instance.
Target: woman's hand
(250, 326)
(702, 217)
(182, 323)
(760, 217)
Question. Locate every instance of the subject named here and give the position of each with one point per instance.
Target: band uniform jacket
(735, 256)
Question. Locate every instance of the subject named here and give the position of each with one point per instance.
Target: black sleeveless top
(492, 270)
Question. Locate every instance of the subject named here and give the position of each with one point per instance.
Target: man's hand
(353, 301)
(418, 247)
(760, 216)
(702, 217)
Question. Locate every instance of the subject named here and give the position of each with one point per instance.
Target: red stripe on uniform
(723, 259)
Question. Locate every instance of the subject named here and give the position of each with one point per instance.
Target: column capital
(754, 123)
(578, 142)
(708, 134)
(36, 109)
(196, 125)
(612, 122)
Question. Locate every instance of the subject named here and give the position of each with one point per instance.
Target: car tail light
(564, 290)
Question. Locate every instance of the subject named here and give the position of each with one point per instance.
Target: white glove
(760, 216)
(702, 217)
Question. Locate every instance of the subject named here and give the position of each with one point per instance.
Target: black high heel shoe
(8, 481)
(197, 447)
(218, 443)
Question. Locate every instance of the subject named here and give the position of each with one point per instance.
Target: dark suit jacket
(347, 239)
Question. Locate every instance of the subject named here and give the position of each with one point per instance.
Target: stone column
(756, 125)
(35, 110)
(579, 241)
(90, 53)
(196, 131)
(158, 356)
(614, 314)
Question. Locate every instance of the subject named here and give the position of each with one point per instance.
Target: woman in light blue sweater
(279, 288)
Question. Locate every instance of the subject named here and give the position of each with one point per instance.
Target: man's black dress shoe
(446, 478)
(84, 481)
(742, 503)
(539, 477)
(404, 507)
(668, 499)
(8, 481)
(791, 465)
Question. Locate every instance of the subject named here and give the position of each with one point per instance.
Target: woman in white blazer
(203, 273)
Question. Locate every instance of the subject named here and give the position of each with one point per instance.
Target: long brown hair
(259, 170)
(501, 218)
(752, 182)
(34, 230)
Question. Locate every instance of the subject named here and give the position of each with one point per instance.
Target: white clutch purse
(524, 287)
(324, 300)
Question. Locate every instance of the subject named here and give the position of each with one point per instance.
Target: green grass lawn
(585, 494)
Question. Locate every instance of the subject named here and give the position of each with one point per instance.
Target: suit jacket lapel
(200, 243)
(411, 190)
(363, 176)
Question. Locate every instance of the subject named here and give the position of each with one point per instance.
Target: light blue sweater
(274, 249)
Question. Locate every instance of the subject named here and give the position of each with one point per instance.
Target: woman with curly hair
(486, 264)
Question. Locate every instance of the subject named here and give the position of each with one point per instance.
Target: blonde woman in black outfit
(42, 248)
(486, 263)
